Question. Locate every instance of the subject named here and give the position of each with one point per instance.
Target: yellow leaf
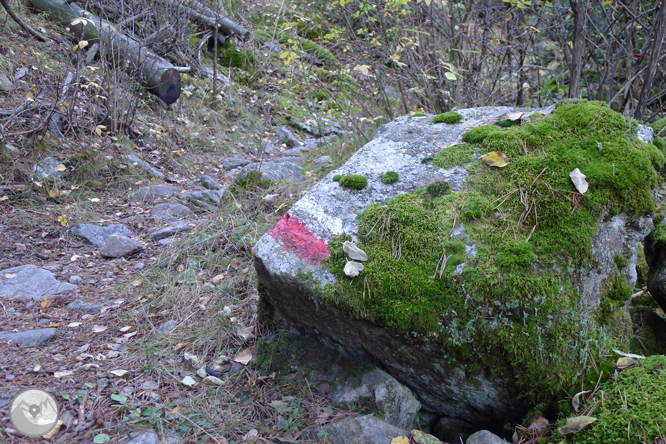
(45, 303)
(4, 198)
(243, 357)
(83, 44)
(180, 346)
(28, 95)
(99, 129)
(177, 153)
(400, 440)
(53, 193)
(496, 159)
(75, 48)
(137, 283)
(60, 167)
(63, 220)
(53, 325)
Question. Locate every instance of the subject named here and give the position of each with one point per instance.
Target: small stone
(287, 137)
(206, 196)
(170, 211)
(579, 181)
(153, 192)
(6, 85)
(149, 437)
(171, 230)
(152, 172)
(121, 246)
(97, 235)
(484, 437)
(48, 168)
(76, 280)
(149, 385)
(29, 281)
(231, 162)
(167, 326)
(321, 161)
(9, 377)
(30, 337)
(139, 266)
(353, 269)
(354, 252)
(86, 307)
(102, 383)
(210, 183)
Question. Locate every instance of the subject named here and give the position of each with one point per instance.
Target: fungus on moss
(451, 117)
(353, 181)
(389, 177)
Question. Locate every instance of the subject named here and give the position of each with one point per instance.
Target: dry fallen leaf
(63, 220)
(576, 424)
(512, 117)
(98, 328)
(55, 429)
(120, 373)
(125, 328)
(180, 346)
(496, 159)
(400, 440)
(252, 435)
(243, 357)
(219, 277)
(62, 374)
(235, 263)
(189, 381)
(53, 193)
(60, 167)
(137, 283)
(579, 181)
(54, 325)
(74, 324)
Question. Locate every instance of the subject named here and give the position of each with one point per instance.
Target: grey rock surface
(353, 269)
(231, 163)
(30, 337)
(6, 85)
(153, 192)
(167, 326)
(149, 437)
(287, 137)
(47, 169)
(296, 152)
(397, 404)
(171, 230)
(121, 246)
(366, 429)
(170, 211)
(323, 127)
(485, 437)
(210, 183)
(86, 307)
(29, 281)
(76, 280)
(321, 161)
(206, 199)
(297, 244)
(97, 235)
(275, 170)
(151, 170)
(354, 251)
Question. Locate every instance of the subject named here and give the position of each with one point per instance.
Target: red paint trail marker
(297, 238)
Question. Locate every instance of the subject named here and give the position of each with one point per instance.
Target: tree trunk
(579, 9)
(652, 64)
(156, 74)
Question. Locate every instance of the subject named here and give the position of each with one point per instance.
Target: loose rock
(30, 337)
(97, 235)
(121, 246)
(366, 429)
(485, 437)
(321, 161)
(76, 280)
(210, 183)
(149, 437)
(354, 252)
(153, 192)
(152, 172)
(87, 307)
(170, 211)
(275, 170)
(353, 269)
(287, 137)
(231, 162)
(171, 230)
(48, 169)
(6, 85)
(29, 281)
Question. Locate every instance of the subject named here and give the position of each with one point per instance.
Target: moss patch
(659, 143)
(451, 117)
(456, 155)
(633, 406)
(389, 177)
(507, 307)
(353, 181)
(337, 177)
(479, 134)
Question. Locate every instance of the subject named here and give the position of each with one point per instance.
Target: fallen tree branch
(206, 16)
(25, 27)
(158, 75)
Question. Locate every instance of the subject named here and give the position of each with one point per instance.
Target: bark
(652, 64)
(206, 16)
(155, 73)
(579, 9)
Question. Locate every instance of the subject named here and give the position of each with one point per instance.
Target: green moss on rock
(337, 177)
(353, 181)
(451, 117)
(633, 407)
(479, 134)
(439, 188)
(389, 177)
(507, 306)
(453, 156)
(659, 143)
(620, 260)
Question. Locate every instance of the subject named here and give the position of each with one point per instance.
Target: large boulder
(487, 288)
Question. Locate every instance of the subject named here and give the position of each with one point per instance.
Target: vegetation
(389, 177)
(451, 117)
(353, 181)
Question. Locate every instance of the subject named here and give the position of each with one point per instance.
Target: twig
(342, 108)
(133, 18)
(455, 218)
(539, 175)
(82, 409)
(25, 27)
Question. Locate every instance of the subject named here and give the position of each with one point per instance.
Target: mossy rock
(630, 407)
(487, 285)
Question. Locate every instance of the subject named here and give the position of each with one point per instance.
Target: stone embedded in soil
(48, 169)
(288, 260)
(275, 170)
(170, 211)
(321, 161)
(366, 429)
(232, 162)
(153, 192)
(97, 235)
(29, 281)
(76, 280)
(87, 307)
(30, 337)
(354, 252)
(121, 246)
(485, 437)
(149, 385)
(6, 85)
(151, 170)
(287, 137)
(171, 230)
(167, 326)
(210, 183)
(397, 404)
(353, 269)
(207, 197)
(149, 437)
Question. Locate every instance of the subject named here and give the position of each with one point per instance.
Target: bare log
(206, 16)
(155, 73)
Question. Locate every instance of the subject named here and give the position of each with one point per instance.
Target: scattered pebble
(76, 280)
